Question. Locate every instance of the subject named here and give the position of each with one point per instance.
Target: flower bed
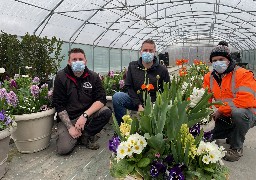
(165, 141)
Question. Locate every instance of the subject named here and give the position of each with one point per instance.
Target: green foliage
(113, 82)
(9, 53)
(40, 53)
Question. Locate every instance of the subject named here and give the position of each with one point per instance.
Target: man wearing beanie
(235, 87)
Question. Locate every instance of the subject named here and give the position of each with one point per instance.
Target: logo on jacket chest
(87, 85)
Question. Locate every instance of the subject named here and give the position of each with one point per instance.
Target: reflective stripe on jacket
(237, 90)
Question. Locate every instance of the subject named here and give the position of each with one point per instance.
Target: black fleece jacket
(136, 77)
(77, 94)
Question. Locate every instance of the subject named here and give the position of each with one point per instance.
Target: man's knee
(240, 115)
(106, 112)
(64, 150)
(116, 97)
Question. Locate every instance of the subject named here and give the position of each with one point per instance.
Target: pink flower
(121, 83)
(157, 155)
(34, 89)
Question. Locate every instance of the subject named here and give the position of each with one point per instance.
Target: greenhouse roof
(127, 23)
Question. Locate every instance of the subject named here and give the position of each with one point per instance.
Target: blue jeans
(122, 102)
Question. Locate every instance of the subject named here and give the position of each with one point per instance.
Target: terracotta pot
(34, 131)
(4, 147)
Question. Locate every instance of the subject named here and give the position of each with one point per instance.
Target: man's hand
(140, 108)
(80, 123)
(216, 115)
(74, 132)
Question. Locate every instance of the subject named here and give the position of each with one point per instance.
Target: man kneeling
(79, 99)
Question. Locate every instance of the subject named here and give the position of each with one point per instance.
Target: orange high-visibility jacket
(238, 90)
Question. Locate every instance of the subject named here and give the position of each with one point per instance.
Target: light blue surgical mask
(77, 66)
(147, 57)
(220, 66)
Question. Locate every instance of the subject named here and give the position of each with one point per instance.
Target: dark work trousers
(235, 127)
(65, 143)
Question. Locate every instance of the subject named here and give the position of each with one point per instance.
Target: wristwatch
(85, 115)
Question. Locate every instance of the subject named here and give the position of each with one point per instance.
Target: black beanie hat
(221, 50)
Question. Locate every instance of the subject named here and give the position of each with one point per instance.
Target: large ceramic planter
(4, 147)
(33, 132)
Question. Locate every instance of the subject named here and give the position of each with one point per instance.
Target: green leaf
(203, 102)
(144, 162)
(145, 124)
(121, 169)
(134, 126)
(208, 169)
(157, 142)
(116, 127)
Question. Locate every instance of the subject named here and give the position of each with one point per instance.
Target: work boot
(233, 154)
(89, 142)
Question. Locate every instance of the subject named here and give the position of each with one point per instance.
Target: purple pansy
(175, 173)
(2, 116)
(195, 130)
(114, 143)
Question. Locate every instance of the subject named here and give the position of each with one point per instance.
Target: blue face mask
(220, 66)
(77, 66)
(147, 57)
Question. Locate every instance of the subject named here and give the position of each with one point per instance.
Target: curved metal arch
(206, 11)
(122, 33)
(81, 27)
(169, 41)
(104, 32)
(219, 29)
(218, 19)
(49, 15)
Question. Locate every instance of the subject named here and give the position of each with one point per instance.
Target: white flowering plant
(24, 95)
(164, 141)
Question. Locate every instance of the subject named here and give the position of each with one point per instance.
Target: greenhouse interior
(155, 65)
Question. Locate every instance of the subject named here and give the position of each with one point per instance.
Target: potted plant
(32, 112)
(165, 141)
(113, 82)
(7, 126)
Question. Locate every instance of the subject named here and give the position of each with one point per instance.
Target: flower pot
(109, 102)
(4, 147)
(110, 105)
(33, 131)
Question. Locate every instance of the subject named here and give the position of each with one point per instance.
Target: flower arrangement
(165, 141)
(113, 82)
(23, 95)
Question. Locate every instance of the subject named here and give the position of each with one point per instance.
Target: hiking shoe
(233, 155)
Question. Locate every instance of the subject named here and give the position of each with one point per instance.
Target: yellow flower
(125, 129)
(127, 119)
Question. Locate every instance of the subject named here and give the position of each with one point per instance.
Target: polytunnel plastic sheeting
(126, 24)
